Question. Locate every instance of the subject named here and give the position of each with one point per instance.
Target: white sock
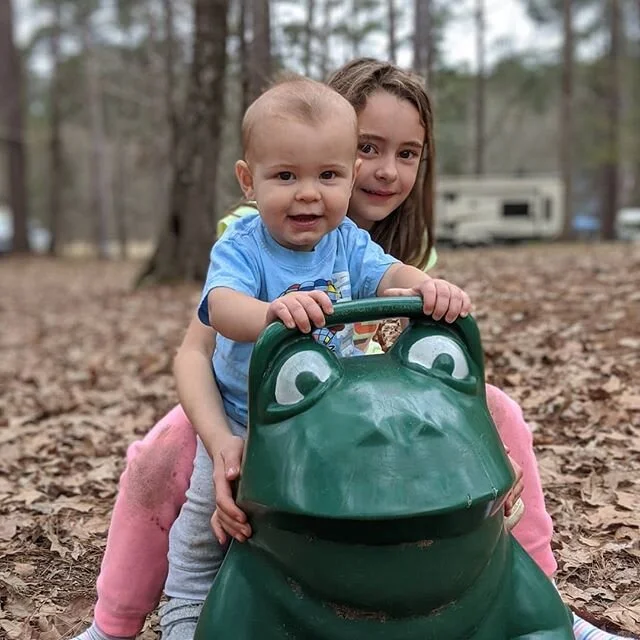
(94, 633)
(584, 630)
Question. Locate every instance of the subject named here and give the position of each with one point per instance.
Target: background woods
(119, 128)
(121, 117)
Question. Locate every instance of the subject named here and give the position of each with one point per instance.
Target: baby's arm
(201, 401)
(441, 299)
(242, 318)
(197, 389)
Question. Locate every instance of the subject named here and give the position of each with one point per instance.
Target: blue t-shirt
(346, 264)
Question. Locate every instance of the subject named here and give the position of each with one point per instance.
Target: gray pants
(195, 555)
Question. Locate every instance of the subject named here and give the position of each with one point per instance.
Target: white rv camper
(480, 210)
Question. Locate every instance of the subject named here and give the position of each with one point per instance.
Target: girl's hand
(228, 519)
(441, 299)
(518, 486)
(303, 309)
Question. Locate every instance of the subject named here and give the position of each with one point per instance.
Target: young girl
(393, 199)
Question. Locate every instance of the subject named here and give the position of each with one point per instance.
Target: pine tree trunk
(325, 43)
(120, 204)
(480, 89)
(170, 76)
(101, 202)
(636, 182)
(391, 31)
(354, 32)
(423, 39)
(566, 118)
(308, 36)
(245, 75)
(183, 247)
(11, 128)
(55, 145)
(261, 64)
(611, 167)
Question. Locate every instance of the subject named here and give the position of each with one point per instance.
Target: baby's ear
(356, 170)
(245, 179)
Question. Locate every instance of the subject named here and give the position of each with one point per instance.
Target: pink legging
(152, 491)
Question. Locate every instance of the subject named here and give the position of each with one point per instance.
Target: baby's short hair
(295, 97)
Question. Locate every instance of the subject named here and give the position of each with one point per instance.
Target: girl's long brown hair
(407, 233)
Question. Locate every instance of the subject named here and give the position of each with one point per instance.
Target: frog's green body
(375, 488)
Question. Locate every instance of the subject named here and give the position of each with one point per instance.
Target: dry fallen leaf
(85, 370)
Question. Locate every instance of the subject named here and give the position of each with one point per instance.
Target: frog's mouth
(418, 529)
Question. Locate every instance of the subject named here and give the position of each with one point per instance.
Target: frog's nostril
(426, 428)
(375, 438)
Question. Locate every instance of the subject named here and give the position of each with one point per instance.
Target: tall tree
(423, 39)
(11, 123)
(170, 76)
(183, 247)
(611, 166)
(55, 143)
(327, 28)
(566, 116)
(261, 64)
(102, 193)
(480, 88)
(562, 12)
(308, 36)
(392, 31)
(243, 52)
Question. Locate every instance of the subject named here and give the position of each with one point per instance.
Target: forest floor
(85, 369)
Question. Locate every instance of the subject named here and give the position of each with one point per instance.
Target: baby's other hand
(228, 518)
(303, 309)
(440, 298)
(443, 300)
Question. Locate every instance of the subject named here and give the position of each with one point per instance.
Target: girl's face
(391, 139)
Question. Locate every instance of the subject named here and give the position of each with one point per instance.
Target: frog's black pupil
(306, 382)
(444, 362)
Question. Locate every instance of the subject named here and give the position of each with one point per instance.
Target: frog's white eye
(440, 353)
(300, 374)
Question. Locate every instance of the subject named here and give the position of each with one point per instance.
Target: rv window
(515, 209)
(548, 208)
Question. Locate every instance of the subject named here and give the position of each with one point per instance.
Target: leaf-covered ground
(85, 368)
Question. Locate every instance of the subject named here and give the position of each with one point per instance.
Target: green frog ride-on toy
(375, 489)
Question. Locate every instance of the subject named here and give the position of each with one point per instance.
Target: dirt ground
(85, 368)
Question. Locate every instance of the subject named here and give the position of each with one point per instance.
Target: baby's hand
(301, 309)
(440, 298)
(228, 519)
(443, 299)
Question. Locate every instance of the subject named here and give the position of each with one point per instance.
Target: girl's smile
(391, 139)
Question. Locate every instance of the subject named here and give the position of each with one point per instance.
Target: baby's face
(301, 177)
